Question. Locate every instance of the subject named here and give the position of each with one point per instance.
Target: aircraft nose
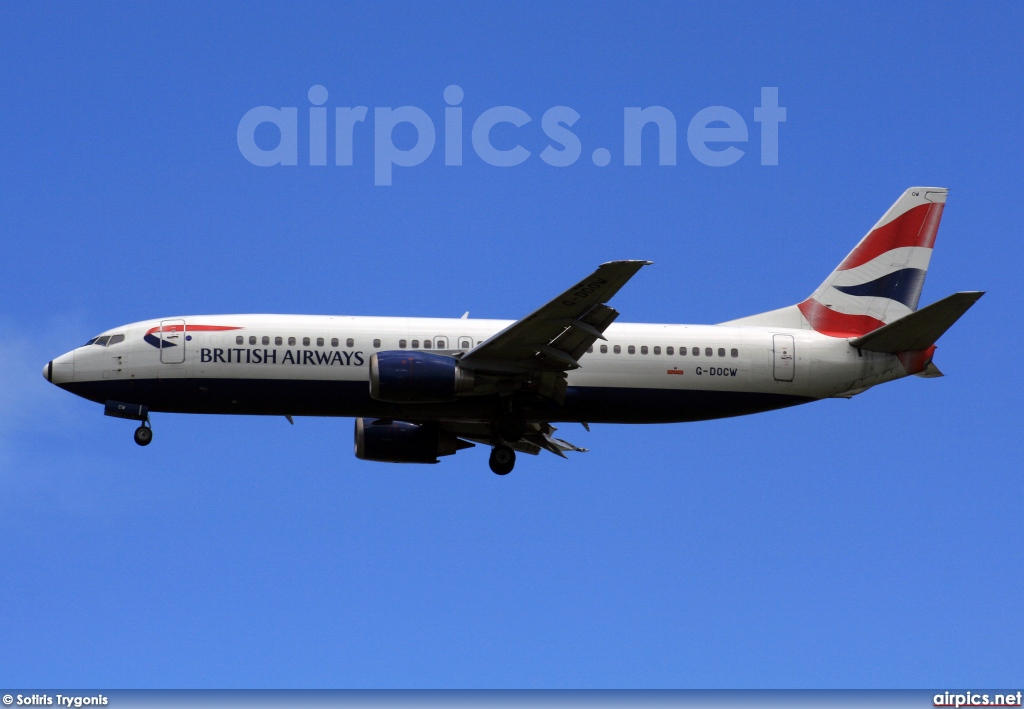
(60, 370)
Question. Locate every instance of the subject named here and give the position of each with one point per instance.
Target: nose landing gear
(502, 460)
(144, 434)
(132, 412)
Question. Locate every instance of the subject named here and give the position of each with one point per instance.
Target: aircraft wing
(552, 338)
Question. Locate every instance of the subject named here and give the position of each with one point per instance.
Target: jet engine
(402, 442)
(404, 377)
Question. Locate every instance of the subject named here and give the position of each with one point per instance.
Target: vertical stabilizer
(880, 281)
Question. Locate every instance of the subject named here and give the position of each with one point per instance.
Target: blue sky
(867, 543)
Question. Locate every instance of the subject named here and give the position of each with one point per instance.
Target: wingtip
(639, 262)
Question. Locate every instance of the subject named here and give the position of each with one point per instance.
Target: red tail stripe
(915, 227)
(836, 324)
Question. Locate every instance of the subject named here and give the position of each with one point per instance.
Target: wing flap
(584, 331)
(539, 436)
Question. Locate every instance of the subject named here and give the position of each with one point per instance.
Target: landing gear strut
(503, 459)
(510, 423)
(144, 434)
(511, 428)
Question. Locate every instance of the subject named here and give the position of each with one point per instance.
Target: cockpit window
(105, 340)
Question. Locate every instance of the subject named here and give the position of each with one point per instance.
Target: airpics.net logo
(713, 135)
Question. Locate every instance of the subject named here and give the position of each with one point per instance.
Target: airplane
(423, 388)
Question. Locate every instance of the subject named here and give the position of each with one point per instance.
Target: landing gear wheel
(143, 435)
(503, 459)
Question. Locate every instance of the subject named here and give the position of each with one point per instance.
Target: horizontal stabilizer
(930, 372)
(919, 330)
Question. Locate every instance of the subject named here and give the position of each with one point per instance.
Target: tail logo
(881, 279)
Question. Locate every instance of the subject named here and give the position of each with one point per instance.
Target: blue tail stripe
(904, 285)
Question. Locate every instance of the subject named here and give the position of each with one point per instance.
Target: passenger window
(114, 339)
(465, 345)
(590, 349)
(734, 352)
(696, 351)
(334, 342)
(427, 344)
(376, 344)
(278, 341)
(291, 341)
(319, 342)
(442, 344)
(708, 352)
(415, 344)
(305, 342)
(252, 339)
(617, 349)
(643, 349)
(266, 340)
(631, 349)
(683, 351)
(657, 350)
(669, 351)
(721, 352)
(604, 349)
(350, 342)
(401, 344)
(239, 340)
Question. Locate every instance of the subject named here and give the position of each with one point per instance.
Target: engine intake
(403, 377)
(402, 442)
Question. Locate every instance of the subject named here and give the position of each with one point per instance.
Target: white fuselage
(318, 365)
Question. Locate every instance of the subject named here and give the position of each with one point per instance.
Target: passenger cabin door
(785, 357)
(172, 341)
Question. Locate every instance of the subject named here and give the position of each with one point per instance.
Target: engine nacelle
(402, 442)
(406, 377)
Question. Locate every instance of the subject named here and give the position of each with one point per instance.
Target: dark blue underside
(324, 398)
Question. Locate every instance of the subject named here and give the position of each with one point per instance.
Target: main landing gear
(502, 460)
(507, 426)
(510, 423)
(144, 434)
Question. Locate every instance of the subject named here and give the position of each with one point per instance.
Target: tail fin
(880, 281)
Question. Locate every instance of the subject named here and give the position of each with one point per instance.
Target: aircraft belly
(307, 397)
